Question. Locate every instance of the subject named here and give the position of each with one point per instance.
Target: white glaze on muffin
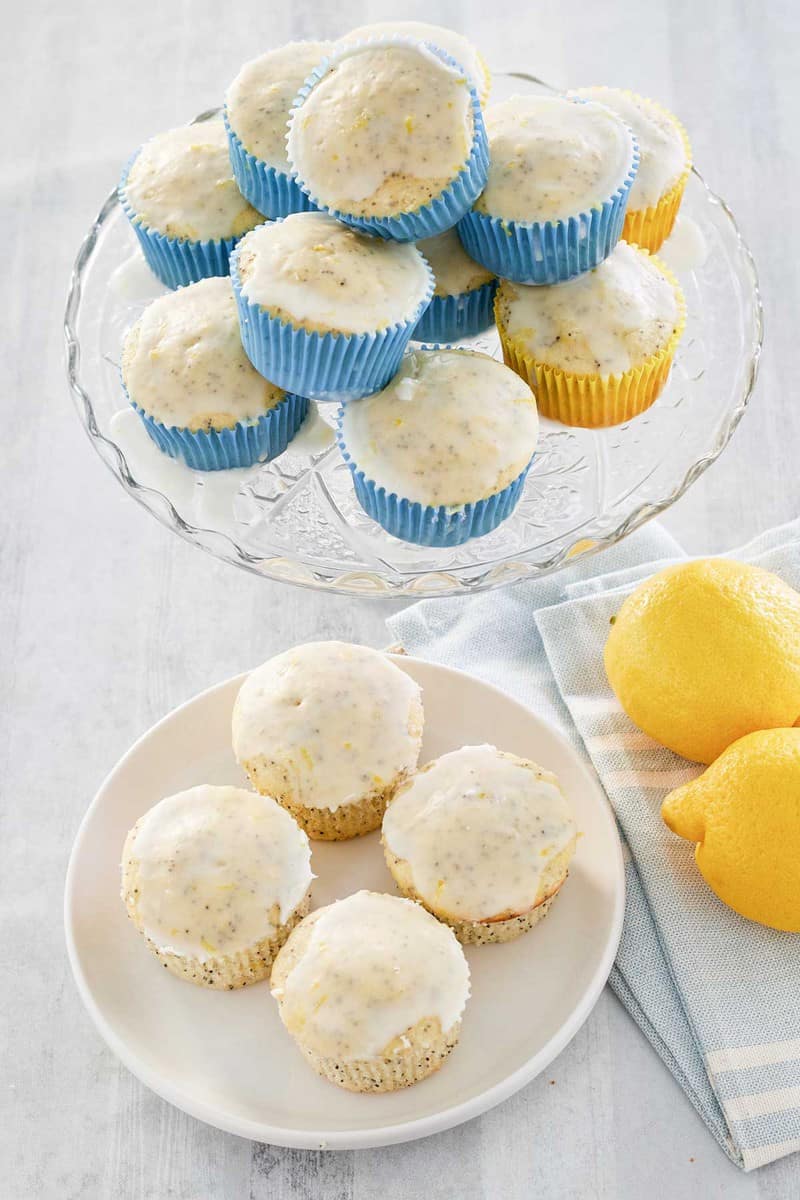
(478, 829)
(453, 426)
(663, 156)
(258, 101)
(453, 269)
(552, 158)
(386, 129)
(312, 271)
(373, 968)
(183, 362)
(181, 185)
(454, 44)
(602, 322)
(216, 870)
(327, 723)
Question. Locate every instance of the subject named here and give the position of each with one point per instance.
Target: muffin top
(552, 158)
(478, 828)
(355, 976)
(312, 271)
(183, 362)
(602, 322)
(385, 130)
(663, 151)
(337, 722)
(454, 44)
(453, 269)
(258, 101)
(453, 426)
(181, 185)
(214, 870)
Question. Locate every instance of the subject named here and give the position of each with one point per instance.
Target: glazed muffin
(324, 310)
(372, 989)
(389, 137)
(664, 165)
(555, 199)
(330, 730)
(215, 879)
(483, 839)
(598, 349)
(463, 296)
(201, 400)
(454, 44)
(180, 196)
(257, 106)
(441, 454)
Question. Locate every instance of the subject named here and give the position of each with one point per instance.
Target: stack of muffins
(373, 986)
(398, 206)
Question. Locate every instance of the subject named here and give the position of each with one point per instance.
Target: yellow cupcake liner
(484, 91)
(594, 401)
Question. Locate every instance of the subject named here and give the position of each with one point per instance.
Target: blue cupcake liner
(274, 193)
(431, 525)
(322, 366)
(450, 318)
(546, 252)
(446, 209)
(241, 445)
(176, 261)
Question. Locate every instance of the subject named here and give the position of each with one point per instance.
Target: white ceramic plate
(224, 1056)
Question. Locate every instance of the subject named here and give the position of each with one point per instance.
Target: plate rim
(511, 569)
(373, 1137)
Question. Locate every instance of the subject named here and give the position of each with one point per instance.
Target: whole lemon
(744, 814)
(705, 652)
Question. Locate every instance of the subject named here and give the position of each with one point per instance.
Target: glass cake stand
(296, 519)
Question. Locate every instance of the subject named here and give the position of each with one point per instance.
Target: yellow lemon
(705, 652)
(744, 814)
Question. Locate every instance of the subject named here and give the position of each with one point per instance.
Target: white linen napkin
(716, 995)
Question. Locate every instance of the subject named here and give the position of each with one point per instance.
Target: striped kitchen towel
(716, 995)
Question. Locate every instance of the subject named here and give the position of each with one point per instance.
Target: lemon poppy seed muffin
(215, 878)
(180, 185)
(454, 44)
(483, 839)
(329, 729)
(372, 989)
(384, 131)
(258, 102)
(463, 294)
(257, 107)
(665, 160)
(441, 454)
(199, 397)
(597, 349)
(325, 310)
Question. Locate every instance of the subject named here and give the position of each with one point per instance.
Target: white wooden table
(107, 620)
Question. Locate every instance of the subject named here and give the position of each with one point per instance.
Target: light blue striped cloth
(717, 996)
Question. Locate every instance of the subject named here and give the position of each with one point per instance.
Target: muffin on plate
(372, 989)
(441, 454)
(598, 349)
(215, 879)
(330, 730)
(388, 136)
(454, 44)
(463, 297)
(326, 311)
(555, 199)
(483, 839)
(665, 163)
(180, 196)
(257, 106)
(201, 400)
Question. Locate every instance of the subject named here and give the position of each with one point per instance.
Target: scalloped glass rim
(476, 573)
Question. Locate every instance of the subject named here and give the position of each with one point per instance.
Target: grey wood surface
(107, 620)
